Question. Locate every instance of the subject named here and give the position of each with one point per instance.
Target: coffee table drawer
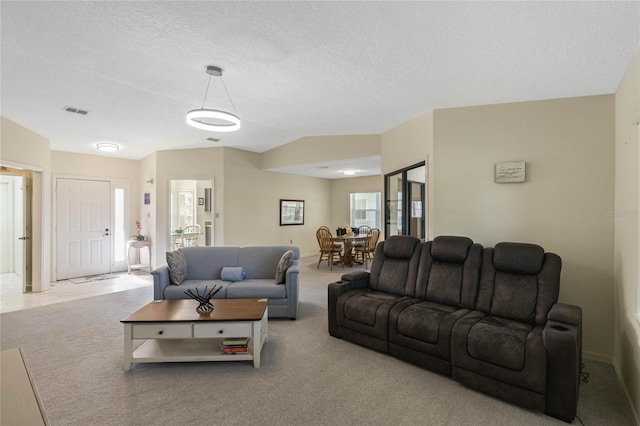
(222, 329)
(162, 331)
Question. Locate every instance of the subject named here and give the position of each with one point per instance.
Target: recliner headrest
(518, 258)
(451, 249)
(399, 246)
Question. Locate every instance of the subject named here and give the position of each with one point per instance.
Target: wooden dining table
(349, 241)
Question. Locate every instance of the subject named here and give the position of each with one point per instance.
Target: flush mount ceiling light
(107, 147)
(213, 119)
(348, 172)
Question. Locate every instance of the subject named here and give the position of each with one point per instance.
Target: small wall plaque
(510, 172)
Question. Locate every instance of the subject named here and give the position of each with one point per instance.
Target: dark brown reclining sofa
(488, 317)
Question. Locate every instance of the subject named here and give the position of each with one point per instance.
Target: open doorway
(191, 213)
(16, 191)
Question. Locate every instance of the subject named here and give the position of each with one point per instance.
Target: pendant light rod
(206, 92)
(228, 96)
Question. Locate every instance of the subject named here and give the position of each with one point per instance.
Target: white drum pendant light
(213, 119)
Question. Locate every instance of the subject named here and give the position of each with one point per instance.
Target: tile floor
(13, 299)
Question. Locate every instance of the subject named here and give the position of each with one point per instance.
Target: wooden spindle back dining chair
(329, 251)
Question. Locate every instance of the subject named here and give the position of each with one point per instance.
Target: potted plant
(138, 237)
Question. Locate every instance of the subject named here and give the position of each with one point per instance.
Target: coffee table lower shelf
(188, 350)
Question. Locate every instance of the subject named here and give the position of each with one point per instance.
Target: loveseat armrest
(292, 284)
(161, 280)
(562, 338)
(350, 281)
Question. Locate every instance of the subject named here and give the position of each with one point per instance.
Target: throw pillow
(285, 261)
(232, 273)
(177, 266)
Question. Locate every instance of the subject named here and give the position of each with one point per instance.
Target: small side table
(137, 244)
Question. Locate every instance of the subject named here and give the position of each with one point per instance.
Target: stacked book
(235, 345)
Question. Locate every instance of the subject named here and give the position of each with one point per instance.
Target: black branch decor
(205, 306)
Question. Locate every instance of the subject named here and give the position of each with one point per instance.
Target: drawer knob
(160, 332)
(220, 331)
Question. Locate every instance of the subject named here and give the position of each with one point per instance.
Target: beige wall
(246, 198)
(252, 208)
(314, 149)
(568, 147)
(408, 144)
(627, 325)
(22, 148)
(94, 166)
(341, 190)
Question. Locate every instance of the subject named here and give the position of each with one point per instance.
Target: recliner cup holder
(559, 328)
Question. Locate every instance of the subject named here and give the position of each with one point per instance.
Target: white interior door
(6, 225)
(83, 220)
(23, 209)
(15, 224)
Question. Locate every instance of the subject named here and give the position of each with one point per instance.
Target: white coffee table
(175, 332)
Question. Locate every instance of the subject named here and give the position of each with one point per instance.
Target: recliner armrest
(562, 338)
(355, 276)
(564, 313)
(350, 281)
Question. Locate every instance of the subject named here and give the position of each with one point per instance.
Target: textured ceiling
(293, 69)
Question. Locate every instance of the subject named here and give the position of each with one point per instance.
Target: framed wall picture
(511, 172)
(291, 212)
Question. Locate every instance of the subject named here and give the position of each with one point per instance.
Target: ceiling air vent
(76, 110)
(213, 140)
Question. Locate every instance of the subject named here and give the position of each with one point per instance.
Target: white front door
(83, 220)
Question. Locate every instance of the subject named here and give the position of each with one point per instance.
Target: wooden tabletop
(184, 310)
(350, 237)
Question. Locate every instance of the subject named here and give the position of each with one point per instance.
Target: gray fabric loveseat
(488, 317)
(204, 268)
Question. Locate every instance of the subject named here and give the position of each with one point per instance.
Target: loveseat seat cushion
(364, 312)
(499, 341)
(507, 351)
(420, 332)
(256, 288)
(178, 291)
(420, 321)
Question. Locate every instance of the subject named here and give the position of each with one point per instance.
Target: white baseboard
(636, 419)
(597, 357)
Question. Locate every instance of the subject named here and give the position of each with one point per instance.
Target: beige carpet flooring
(74, 350)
